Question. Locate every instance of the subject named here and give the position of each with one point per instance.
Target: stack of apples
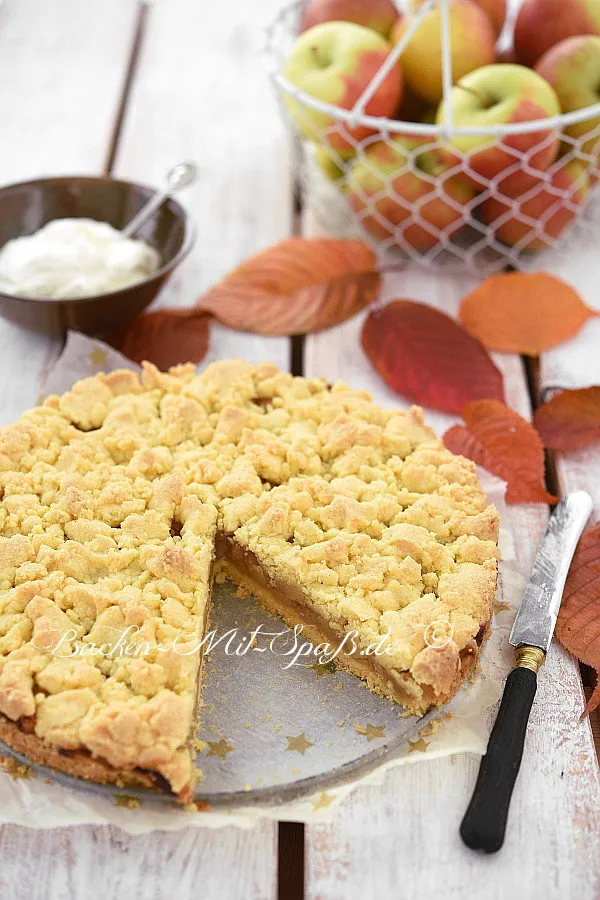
(417, 191)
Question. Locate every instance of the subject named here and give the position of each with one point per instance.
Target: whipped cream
(70, 258)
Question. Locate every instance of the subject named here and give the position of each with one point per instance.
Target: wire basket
(408, 189)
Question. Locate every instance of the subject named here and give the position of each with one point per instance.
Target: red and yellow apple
(334, 62)
(400, 195)
(472, 44)
(541, 24)
(502, 95)
(573, 69)
(379, 15)
(534, 219)
(495, 10)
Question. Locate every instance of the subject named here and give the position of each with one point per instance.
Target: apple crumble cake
(124, 498)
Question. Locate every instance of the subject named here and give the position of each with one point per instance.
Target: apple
(399, 194)
(379, 15)
(472, 44)
(549, 206)
(573, 69)
(495, 10)
(502, 94)
(543, 23)
(334, 62)
(331, 164)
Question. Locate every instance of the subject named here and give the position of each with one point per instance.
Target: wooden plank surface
(202, 93)
(62, 68)
(86, 863)
(401, 839)
(69, 61)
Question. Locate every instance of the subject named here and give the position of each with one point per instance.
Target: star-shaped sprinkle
(299, 743)
(371, 732)
(323, 668)
(501, 607)
(98, 357)
(323, 801)
(127, 801)
(421, 745)
(220, 748)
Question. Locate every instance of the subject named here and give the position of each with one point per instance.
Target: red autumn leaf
(578, 623)
(165, 337)
(518, 312)
(570, 420)
(429, 358)
(296, 286)
(498, 439)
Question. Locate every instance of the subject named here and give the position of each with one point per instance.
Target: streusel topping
(111, 498)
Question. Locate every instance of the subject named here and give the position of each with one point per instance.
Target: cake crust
(113, 498)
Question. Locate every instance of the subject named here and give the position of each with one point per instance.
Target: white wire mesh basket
(427, 191)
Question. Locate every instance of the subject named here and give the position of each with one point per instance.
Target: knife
(484, 823)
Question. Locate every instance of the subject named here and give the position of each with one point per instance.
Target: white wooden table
(112, 85)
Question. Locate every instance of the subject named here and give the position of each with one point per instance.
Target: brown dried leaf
(570, 420)
(166, 337)
(297, 286)
(498, 439)
(578, 623)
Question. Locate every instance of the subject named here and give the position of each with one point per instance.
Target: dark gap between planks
(130, 72)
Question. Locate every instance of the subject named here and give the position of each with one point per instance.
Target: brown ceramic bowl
(25, 207)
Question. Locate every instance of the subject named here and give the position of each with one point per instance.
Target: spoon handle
(145, 213)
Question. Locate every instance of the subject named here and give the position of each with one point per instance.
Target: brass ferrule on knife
(529, 658)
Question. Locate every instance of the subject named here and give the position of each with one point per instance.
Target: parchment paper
(270, 733)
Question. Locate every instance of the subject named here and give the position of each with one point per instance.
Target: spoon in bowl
(180, 176)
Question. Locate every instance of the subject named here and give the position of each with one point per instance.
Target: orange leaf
(498, 439)
(165, 337)
(296, 286)
(429, 358)
(578, 623)
(570, 420)
(523, 313)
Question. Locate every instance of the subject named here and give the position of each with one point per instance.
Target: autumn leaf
(570, 420)
(429, 358)
(523, 313)
(505, 444)
(165, 337)
(578, 623)
(297, 286)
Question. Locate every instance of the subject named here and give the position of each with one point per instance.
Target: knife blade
(536, 618)
(484, 824)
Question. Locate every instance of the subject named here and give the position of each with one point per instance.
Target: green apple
(543, 23)
(334, 62)
(502, 94)
(398, 190)
(472, 43)
(535, 219)
(379, 15)
(573, 69)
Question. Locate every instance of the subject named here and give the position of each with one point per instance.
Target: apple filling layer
(287, 600)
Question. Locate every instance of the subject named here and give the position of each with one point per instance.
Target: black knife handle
(484, 823)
